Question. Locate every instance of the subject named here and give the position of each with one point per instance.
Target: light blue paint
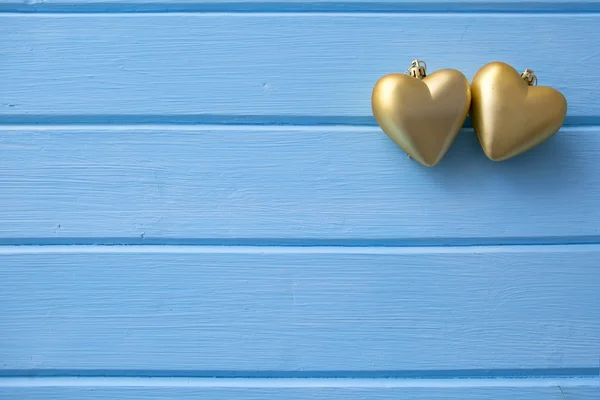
(261, 237)
(273, 64)
(296, 309)
(276, 393)
(292, 185)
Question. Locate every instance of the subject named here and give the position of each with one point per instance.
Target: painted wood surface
(195, 202)
(559, 390)
(299, 309)
(293, 185)
(347, 6)
(295, 68)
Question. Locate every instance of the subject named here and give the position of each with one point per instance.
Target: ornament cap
(529, 76)
(418, 69)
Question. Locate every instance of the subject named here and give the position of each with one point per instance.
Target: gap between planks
(515, 373)
(250, 127)
(6, 382)
(241, 249)
(198, 121)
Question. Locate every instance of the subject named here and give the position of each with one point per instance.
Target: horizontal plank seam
(167, 249)
(460, 7)
(162, 128)
(236, 120)
(146, 241)
(294, 383)
(506, 373)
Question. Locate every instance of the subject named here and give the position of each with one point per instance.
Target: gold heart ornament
(510, 115)
(422, 113)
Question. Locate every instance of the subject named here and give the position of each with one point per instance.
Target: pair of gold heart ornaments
(423, 113)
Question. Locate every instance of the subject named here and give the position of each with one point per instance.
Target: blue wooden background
(196, 203)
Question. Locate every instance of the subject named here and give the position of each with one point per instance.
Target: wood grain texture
(293, 65)
(138, 184)
(252, 6)
(390, 281)
(91, 392)
(299, 309)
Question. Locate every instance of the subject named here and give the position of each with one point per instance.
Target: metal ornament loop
(530, 77)
(418, 69)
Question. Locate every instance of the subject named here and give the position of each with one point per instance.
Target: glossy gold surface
(509, 116)
(422, 116)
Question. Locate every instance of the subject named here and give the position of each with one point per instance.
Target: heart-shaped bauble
(509, 116)
(422, 116)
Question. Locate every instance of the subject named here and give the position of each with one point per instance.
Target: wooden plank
(211, 309)
(161, 6)
(562, 391)
(272, 64)
(288, 184)
(165, 6)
